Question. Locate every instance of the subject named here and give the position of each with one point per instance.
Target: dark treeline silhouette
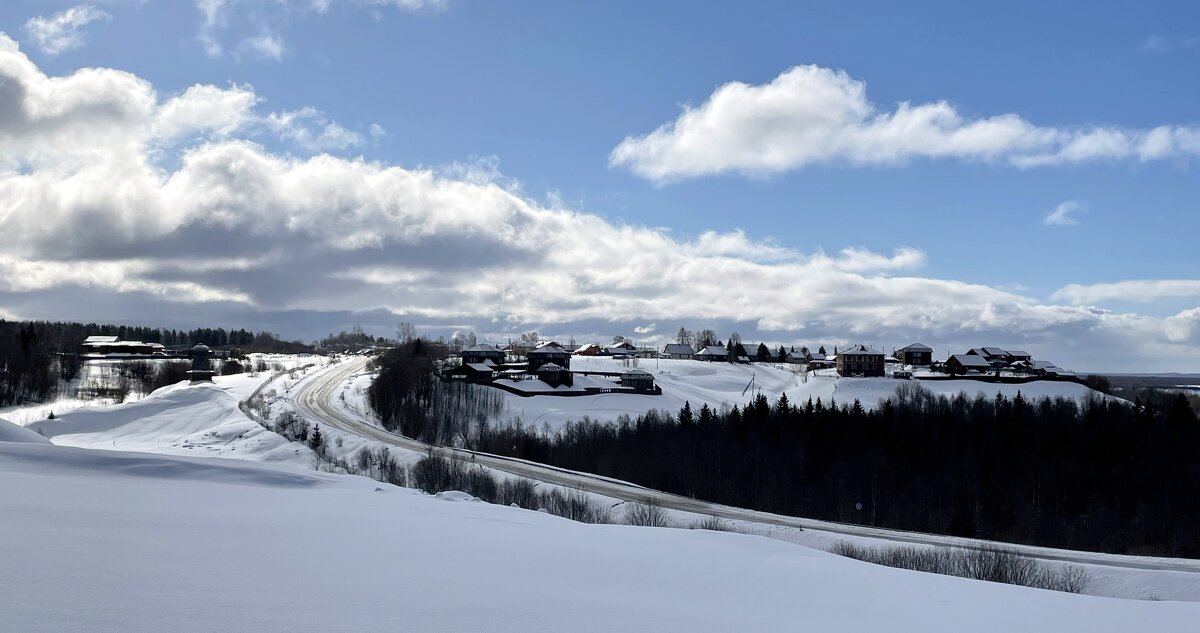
(37, 357)
(409, 397)
(1099, 476)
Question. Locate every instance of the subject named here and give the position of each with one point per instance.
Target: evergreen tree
(315, 441)
(685, 415)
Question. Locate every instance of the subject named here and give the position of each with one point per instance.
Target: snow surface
(107, 541)
(722, 384)
(179, 419)
(10, 432)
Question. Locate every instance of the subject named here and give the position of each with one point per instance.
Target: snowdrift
(10, 432)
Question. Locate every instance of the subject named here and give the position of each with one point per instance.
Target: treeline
(409, 397)
(1100, 476)
(38, 358)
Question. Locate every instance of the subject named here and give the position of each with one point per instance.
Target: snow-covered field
(723, 384)
(112, 541)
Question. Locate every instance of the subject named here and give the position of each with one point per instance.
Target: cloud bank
(813, 115)
(119, 203)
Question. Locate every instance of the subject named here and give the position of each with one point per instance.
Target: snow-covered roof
(549, 344)
(483, 347)
(486, 367)
(586, 347)
(862, 349)
(915, 347)
(971, 360)
(637, 372)
(713, 350)
(677, 348)
(101, 339)
(549, 350)
(121, 344)
(550, 367)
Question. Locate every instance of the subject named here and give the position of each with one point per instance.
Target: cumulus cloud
(1137, 291)
(1063, 214)
(810, 115)
(63, 31)
(111, 190)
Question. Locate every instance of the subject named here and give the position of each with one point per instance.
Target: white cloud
(309, 129)
(810, 114)
(1063, 214)
(266, 45)
(1138, 291)
(249, 16)
(109, 190)
(1183, 327)
(63, 31)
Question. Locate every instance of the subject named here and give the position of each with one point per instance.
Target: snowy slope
(108, 541)
(10, 432)
(722, 384)
(180, 419)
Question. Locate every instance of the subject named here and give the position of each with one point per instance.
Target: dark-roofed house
(680, 351)
(860, 360)
(915, 354)
(554, 374)
(638, 379)
(962, 363)
(1017, 356)
(548, 354)
(712, 353)
(482, 354)
(474, 372)
(995, 352)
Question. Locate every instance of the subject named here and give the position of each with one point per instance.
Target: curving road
(313, 401)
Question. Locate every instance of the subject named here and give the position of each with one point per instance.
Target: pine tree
(315, 440)
(685, 414)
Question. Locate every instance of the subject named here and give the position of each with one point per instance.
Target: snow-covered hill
(718, 384)
(180, 419)
(111, 541)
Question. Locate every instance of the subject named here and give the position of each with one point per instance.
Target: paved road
(313, 401)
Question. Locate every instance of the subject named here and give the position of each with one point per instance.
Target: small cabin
(638, 379)
(554, 375)
(712, 353)
(482, 354)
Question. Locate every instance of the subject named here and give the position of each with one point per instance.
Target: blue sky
(537, 95)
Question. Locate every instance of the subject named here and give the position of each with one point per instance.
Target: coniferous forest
(1101, 475)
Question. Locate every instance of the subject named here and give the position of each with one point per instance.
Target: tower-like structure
(201, 370)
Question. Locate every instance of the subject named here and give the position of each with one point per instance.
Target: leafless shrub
(993, 564)
(714, 523)
(519, 491)
(647, 515)
(576, 506)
